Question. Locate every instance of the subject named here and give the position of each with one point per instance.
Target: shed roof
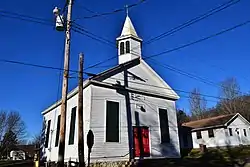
(209, 122)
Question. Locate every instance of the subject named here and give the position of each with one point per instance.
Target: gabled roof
(116, 69)
(98, 77)
(218, 121)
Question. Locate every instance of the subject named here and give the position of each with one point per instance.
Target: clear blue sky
(30, 90)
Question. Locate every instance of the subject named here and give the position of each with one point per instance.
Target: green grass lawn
(215, 157)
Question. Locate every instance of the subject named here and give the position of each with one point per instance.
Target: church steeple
(128, 28)
(129, 44)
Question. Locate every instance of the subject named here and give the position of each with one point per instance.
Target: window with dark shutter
(58, 130)
(230, 132)
(245, 132)
(72, 126)
(198, 135)
(47, 134)
(121, 48)
(127, 47)
(210, 133)
(163, 114)
(112, 121)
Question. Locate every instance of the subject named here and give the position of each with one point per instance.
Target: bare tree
(232, 100)
(16, 124)
(230, 88)
(3, 118)
(198, 104)
(12, 121)
(12, 131)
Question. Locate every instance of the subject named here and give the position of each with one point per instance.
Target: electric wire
(200, 40)
(111, 12)
(194, 20)
(183, 46)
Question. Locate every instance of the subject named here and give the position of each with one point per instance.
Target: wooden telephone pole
(65, 87)
(80, 113)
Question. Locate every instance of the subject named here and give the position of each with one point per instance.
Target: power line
(26, 19)
(190, 22)
(101, 62)
(102, 40)
(180, 91)
(26, 16)
(94, 37)
(77, 28)
(168, 51)
(77, 3)
(61, 69)
(194, 20)
(177, 90)
(112, 12)
(220, 68)
(48, 23)
(198, 41)
(196, 77)
(184, 73)
(49, 67)
(165, 52)
(80, 27)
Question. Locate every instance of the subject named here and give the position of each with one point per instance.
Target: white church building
(130, 109)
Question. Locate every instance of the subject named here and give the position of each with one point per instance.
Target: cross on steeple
(127, 8)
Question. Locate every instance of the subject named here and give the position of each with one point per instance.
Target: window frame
(72, 127)
(48, 129)
(230, 130)
(105, 121)
(122, 48)
(58, 130)
(164, 140)
(127, 47)
(210, 133)
(198, 135)
(245, 132)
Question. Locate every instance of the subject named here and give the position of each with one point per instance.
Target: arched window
(121, 48)
(127, 47)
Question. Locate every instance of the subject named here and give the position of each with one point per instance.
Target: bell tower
(129, 44)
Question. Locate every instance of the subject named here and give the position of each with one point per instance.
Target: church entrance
(141, 141)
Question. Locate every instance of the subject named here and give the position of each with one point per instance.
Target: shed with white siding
(220, 131)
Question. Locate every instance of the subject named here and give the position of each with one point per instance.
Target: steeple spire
(128, 28)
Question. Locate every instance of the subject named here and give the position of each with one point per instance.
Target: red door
(141, 142)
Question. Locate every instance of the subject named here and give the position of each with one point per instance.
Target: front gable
(238, 120)
(140, 76)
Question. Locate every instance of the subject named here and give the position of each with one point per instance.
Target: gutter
(209, 127)
(69, 96)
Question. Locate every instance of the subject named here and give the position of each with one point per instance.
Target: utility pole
(65, 86)
(80, 113)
